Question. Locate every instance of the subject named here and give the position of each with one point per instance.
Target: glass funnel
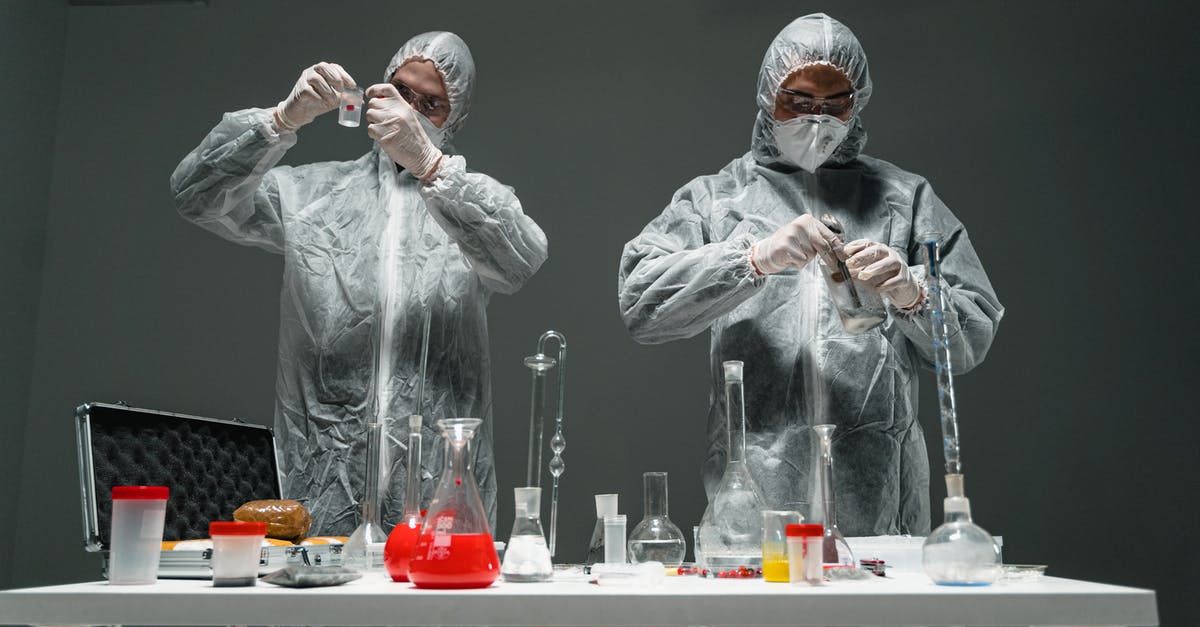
(527, 557)
(836, 551)
(400, 542)
(656, 538)
(455, 548)
(731, 528)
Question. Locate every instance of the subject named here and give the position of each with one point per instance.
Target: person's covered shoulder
(890, 176)
(310, 182)
(702, 192)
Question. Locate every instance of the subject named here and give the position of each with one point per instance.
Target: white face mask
(808, 140)
(436, 135)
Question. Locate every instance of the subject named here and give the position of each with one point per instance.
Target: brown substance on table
(286, 519)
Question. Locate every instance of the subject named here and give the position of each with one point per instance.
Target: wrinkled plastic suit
(452, 242)
(688, 271)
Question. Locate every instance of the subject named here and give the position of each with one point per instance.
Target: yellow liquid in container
(775, 570)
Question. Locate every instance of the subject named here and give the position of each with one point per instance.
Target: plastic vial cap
(237, 528)
(606, 505)
(615, 519)
(529, 502)
(733, 370)
(414, 423)
(957, 505)
(141, 492)
(806, 530)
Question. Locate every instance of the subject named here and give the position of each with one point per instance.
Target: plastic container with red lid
(805, 543)
(141, 492)
(135, 534)
(237, 552)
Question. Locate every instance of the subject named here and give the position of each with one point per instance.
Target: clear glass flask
(606, 505)
(836, 551)
(527, 557)
(959, 552)
(731, 528)
(656, 538)
(455, 548)
(364, 548)
(398, 550)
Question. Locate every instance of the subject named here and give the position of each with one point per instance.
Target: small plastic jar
(804, 554)
(135, 538)
(237, 548)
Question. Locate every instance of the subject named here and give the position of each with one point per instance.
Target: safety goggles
(426, 105)
(803, 104)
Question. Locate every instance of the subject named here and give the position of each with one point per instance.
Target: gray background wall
(1061, 134)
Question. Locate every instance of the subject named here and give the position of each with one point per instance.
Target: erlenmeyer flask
(836, 551)
(606, 505)
(398, 550)
(731, 528)
(455, 548)
(656, 538)
(527, 557)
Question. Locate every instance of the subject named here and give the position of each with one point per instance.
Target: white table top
(900, 599)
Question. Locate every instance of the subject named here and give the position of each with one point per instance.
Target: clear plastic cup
(774, 544)
(805, 559)
(350, 103)
(135, 537)
(237, 548)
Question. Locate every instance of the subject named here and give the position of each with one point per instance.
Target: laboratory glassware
(959, 552)
(350, 103)
(526, 557)
(606, 505)
(398, 550)
(656, 538)
(859, 308)
(774, 543)
(614, 539)
(539, 364)
(455, 548)
(836, 550)
(364, 548)
(731, 527)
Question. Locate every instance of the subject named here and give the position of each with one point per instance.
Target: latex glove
(315, 92)
(794, 245)
(881, 268)
(393, 123)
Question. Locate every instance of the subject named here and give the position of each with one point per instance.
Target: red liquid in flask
(399, 548)
(459, 560)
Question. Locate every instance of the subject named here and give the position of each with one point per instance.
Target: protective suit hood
(815, 38)
(453, 60)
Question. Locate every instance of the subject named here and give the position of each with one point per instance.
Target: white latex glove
(881, 268)
(393, 123)
(315, 92)
(794, 245)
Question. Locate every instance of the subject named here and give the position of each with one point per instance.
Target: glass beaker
(527, 557)
(959, 552)
(731, 528)
(774, 543)
(455, 548)
(824, 508)
(398, 550)
(606, 505)
(350, 102)
(656, 538)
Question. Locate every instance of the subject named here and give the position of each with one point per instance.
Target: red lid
(141, 492)
(794, 531)
(234, 528)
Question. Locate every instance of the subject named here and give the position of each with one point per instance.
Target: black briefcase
(211, 466)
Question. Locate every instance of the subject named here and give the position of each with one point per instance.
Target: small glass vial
(805, 554)
(350, 102)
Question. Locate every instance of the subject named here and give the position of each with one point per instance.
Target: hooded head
(810, 40)
(452, 58)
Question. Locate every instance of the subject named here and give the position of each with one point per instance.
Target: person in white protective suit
(367, 246)
(734, 254)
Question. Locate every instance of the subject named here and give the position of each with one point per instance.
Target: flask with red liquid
(455, 548)
(400, 542)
